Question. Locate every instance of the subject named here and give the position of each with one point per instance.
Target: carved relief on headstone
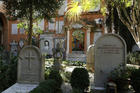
(46, 44)
(110, 52)
(90, 58)
(61, 41)
(58, 55)
(14, 48)
(21, 43)
(30, 65)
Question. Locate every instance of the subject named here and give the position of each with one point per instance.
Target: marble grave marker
(110, 52)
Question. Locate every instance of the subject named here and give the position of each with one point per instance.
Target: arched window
(46, 43)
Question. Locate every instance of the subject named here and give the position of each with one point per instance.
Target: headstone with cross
(29, 57)
(30, 65)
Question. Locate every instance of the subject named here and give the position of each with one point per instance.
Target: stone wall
(76, 57)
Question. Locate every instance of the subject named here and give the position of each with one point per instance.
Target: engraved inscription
(31, 77)
(109, 49)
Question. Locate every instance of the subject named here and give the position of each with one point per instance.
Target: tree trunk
(30, 25)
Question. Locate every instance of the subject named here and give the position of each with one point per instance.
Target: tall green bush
(133, 58)
(51, 85)
(80, 79)
(8, 73)
(48, 86)
(135, 80)
(55, 75)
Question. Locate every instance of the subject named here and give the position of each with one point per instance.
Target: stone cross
(29, 57)
(58, 55)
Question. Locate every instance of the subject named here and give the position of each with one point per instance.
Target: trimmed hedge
(80, 79)
(48, 86)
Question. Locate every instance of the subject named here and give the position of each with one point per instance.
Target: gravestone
(14, 48)
(30, 70)
(58, 56)
(30, 66)
(110, 52)
(21, 43)
(46, 44)
(90, 58)
(61, 41)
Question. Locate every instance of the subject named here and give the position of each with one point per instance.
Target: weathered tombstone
(30, 70)
(21, 43)
(61, 41)
(14, 48)
(110, 52)
(30, 66)
(58, 55)
(90, 58)
(46, 44)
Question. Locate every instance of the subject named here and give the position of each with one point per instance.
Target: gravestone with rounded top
(110, 52)
(90, 58)
(30, 65)
(30, 70)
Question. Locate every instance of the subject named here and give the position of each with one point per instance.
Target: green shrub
(133, 58)
(57, 77)
(119, 73)
(66, 76)
(8, 73)
(121, 76)
(51, 85)
(48, 86)
(135, 80)
(76, 90)
(47, 72)
(80, 79)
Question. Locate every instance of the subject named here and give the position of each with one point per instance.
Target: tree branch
(133, 17)
(126, 15)
(127, 24)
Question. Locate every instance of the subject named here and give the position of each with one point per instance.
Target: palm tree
(77, 7)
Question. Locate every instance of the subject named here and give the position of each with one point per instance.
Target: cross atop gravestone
(58, 55)
(29, 58)
(30, 65)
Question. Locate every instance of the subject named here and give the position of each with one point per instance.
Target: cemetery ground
(127, 80)
(69, 66)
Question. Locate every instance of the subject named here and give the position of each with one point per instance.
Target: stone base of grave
(126, 91)
(99, 90)
(20, 88)
(76, 56)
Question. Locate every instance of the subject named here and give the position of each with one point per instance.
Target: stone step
(20, 88)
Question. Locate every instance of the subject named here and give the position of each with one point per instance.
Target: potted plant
(121, 76)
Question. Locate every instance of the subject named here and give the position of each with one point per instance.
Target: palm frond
(75, 8)
(74, 11)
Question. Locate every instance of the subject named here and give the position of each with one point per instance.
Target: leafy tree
(128, 12)
(37, 30)
(31, 10)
